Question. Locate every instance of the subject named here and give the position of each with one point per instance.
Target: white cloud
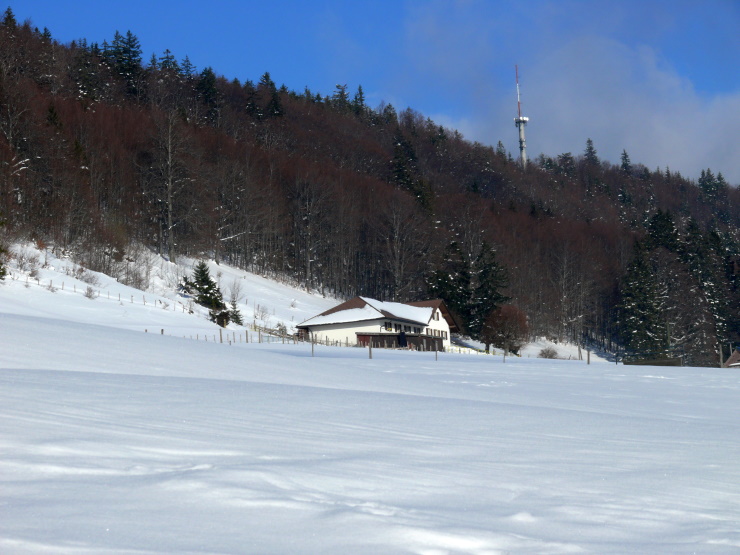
(581, 78)
(621, 98)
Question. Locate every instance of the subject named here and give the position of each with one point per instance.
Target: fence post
(588, 356)
(220, 336)
(370, 347)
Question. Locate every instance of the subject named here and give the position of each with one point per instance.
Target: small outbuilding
(734, 360)
(422, 325)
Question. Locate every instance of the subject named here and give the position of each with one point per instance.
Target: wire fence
(253, 333)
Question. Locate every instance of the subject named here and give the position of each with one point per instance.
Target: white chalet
(423, 325)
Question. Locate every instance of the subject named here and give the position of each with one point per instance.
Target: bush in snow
(548, 352)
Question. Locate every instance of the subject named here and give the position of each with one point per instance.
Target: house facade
(424, 325)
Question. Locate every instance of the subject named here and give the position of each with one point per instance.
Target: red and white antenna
(520, 121)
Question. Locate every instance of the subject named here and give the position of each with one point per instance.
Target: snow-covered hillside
(113, 440)
(261, 301)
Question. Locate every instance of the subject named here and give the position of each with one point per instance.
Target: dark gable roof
(734, 358)
(356, 302)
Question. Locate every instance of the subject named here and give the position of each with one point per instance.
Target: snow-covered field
(113, 440)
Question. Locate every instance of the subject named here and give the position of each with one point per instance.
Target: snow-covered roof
(402, 311)
(361, 309)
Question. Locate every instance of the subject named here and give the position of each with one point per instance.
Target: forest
(104, 154)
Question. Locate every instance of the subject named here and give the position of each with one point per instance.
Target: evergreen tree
(9, 19)
(566, 164)
(590, 153)
(712, 188)
(406, 173)
(662, 232)
(168, 62)
(207, 294)
(187, 69)
(266, 83)
(124, 55)
(267, 89)
(206, 88)
(341, 99)
(389, 115)
(706, 265)
(235, 315)
(489, 278)
(451, 282)
(626, 165)
(274, 106)
(641, 325)
(472, 290)
(358, 102)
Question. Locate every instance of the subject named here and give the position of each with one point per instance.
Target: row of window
(437, 333)
(398, 328)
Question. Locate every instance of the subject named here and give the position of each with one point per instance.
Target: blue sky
(660, 79)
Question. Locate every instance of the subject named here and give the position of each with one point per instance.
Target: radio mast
(520, 121)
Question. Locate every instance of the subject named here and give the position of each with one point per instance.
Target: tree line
(102, 152)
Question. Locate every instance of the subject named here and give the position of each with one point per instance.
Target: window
(444, 335)
(388, 326)
(397, 328)
(436, 314)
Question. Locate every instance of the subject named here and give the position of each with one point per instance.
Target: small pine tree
(235, 315)
(207, 294)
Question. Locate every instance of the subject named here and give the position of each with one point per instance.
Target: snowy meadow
(117, 440)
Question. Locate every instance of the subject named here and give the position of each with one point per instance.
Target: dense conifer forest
(103, 153)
